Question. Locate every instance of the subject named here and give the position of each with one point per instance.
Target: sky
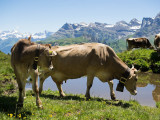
(39, 15)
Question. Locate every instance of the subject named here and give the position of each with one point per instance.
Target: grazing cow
(157, 43)
(25, 56)
(91, 60)
(138, 43)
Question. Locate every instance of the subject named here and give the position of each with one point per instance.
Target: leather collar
(36, 57)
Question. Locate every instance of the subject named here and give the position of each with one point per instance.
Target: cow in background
(157, 43)
(138, 43)
(25, 56)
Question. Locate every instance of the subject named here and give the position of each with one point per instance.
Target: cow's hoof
(40, 106)
(88, 98)
(62, 95)
(19, 105)
(113, 97)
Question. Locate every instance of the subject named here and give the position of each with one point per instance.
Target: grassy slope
(118, 46)
(66, 41)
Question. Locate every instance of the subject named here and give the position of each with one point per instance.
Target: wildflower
(19, 115)
(11, 115)
(50, 115)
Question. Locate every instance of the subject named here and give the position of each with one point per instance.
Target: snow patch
(109, 26)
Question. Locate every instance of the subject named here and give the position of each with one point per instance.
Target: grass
(143, 59)
(7, 76)
(74, 107)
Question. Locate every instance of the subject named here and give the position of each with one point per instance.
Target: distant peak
(157, 16)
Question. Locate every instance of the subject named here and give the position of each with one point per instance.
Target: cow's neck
(121, 70)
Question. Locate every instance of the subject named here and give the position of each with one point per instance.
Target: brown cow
(24, 56)
(157, 43)
(138, 43)
(91, 60)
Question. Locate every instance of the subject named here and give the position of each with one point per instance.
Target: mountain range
(8, 38)
(103, 32)
(95, 32)
(98, 31)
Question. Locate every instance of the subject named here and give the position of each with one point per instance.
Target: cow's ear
(132, 66)
(155, 36)
(52, 53)
(29, 38)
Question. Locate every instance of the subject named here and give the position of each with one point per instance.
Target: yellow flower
(20, 115)
(50, 115)
(11, 115)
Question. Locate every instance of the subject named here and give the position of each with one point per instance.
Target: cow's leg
(20, 86)
(59, 86)
(23, 91)
(112, 94)
(43, 76)
(89, 85)
(34, 76)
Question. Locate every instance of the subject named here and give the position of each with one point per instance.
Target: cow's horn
(132, 66)
(29, 38)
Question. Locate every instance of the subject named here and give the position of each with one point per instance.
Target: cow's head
(130, 83)
(45, 57)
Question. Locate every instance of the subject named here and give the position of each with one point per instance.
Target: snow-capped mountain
(101, 31)
(9, 38)
(4, 35)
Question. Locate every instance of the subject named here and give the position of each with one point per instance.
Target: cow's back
(77, 60)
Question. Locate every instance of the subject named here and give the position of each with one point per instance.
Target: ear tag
(50, 52)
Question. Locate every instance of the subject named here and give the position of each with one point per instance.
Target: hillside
(7, 77)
